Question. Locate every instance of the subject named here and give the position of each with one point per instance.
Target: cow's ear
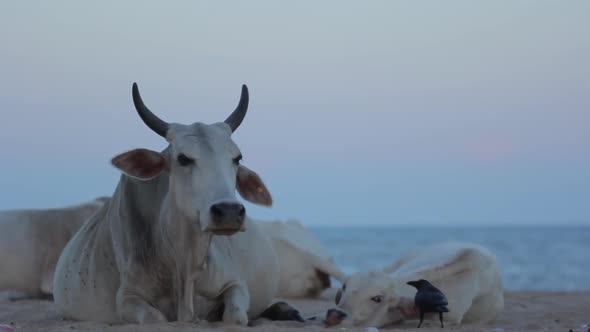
(338, 296)
(141, 164)
(251, 187)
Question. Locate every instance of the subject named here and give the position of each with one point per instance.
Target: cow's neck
(136, 207)
(135, 211)
(183, 239)
(159, 238)
(188, 247)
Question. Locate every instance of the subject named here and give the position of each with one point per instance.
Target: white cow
(305, 264)
(31, 241)
(156, 251)
(34, 239)
(467, 274)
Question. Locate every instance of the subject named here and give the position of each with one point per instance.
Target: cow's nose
(228, 213)
(334, 317)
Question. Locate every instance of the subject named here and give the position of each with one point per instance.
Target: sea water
(531, 258)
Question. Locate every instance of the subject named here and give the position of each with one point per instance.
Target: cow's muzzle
(334, 317)
(227, 218)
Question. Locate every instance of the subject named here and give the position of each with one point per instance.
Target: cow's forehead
(200, 138)
(366, 280)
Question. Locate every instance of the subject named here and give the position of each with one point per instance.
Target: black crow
(429, 299)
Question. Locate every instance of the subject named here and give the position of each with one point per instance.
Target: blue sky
(380, 112)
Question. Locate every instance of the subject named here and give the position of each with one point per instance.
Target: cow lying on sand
(31, 241)
(466, 273)
(173, 243)
(306, 266)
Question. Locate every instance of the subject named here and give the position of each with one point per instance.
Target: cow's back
(31, 242)
(467, 273)
(19, 259)
(305, 263)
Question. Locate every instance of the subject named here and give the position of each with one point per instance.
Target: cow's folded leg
(236, 301)
(133, 309)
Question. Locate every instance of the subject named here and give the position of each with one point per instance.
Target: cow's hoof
(282, 311)
(150, 315)
(235, 317)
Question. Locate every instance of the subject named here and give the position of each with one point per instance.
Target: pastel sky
(364, 112)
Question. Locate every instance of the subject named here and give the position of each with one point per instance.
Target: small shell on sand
(6, 328)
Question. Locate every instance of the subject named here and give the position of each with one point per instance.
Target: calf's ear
(141, 164)
(251, 187)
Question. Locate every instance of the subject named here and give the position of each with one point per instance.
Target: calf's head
(204, 169)
(370, 299)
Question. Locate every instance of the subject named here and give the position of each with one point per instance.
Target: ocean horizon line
(450, 225)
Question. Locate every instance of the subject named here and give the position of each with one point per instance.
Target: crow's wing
(441, 308)
(431, 299)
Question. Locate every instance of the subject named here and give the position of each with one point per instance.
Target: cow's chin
(225, 232)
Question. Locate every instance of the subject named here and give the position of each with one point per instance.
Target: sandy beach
(524, 311)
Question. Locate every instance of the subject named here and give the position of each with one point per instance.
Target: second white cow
(466, 273)
(306, 266)
(31, 241)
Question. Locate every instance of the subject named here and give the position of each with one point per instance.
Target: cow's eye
(237, 159)
(377, 299)
(184, 160)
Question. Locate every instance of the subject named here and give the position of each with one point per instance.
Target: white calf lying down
(305, 264)
(466, 273)
(31, 242)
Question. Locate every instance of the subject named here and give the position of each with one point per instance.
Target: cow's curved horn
(150, 119)
(235, 119)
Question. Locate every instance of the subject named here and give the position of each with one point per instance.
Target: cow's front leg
(237, 301)
(134, 309)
